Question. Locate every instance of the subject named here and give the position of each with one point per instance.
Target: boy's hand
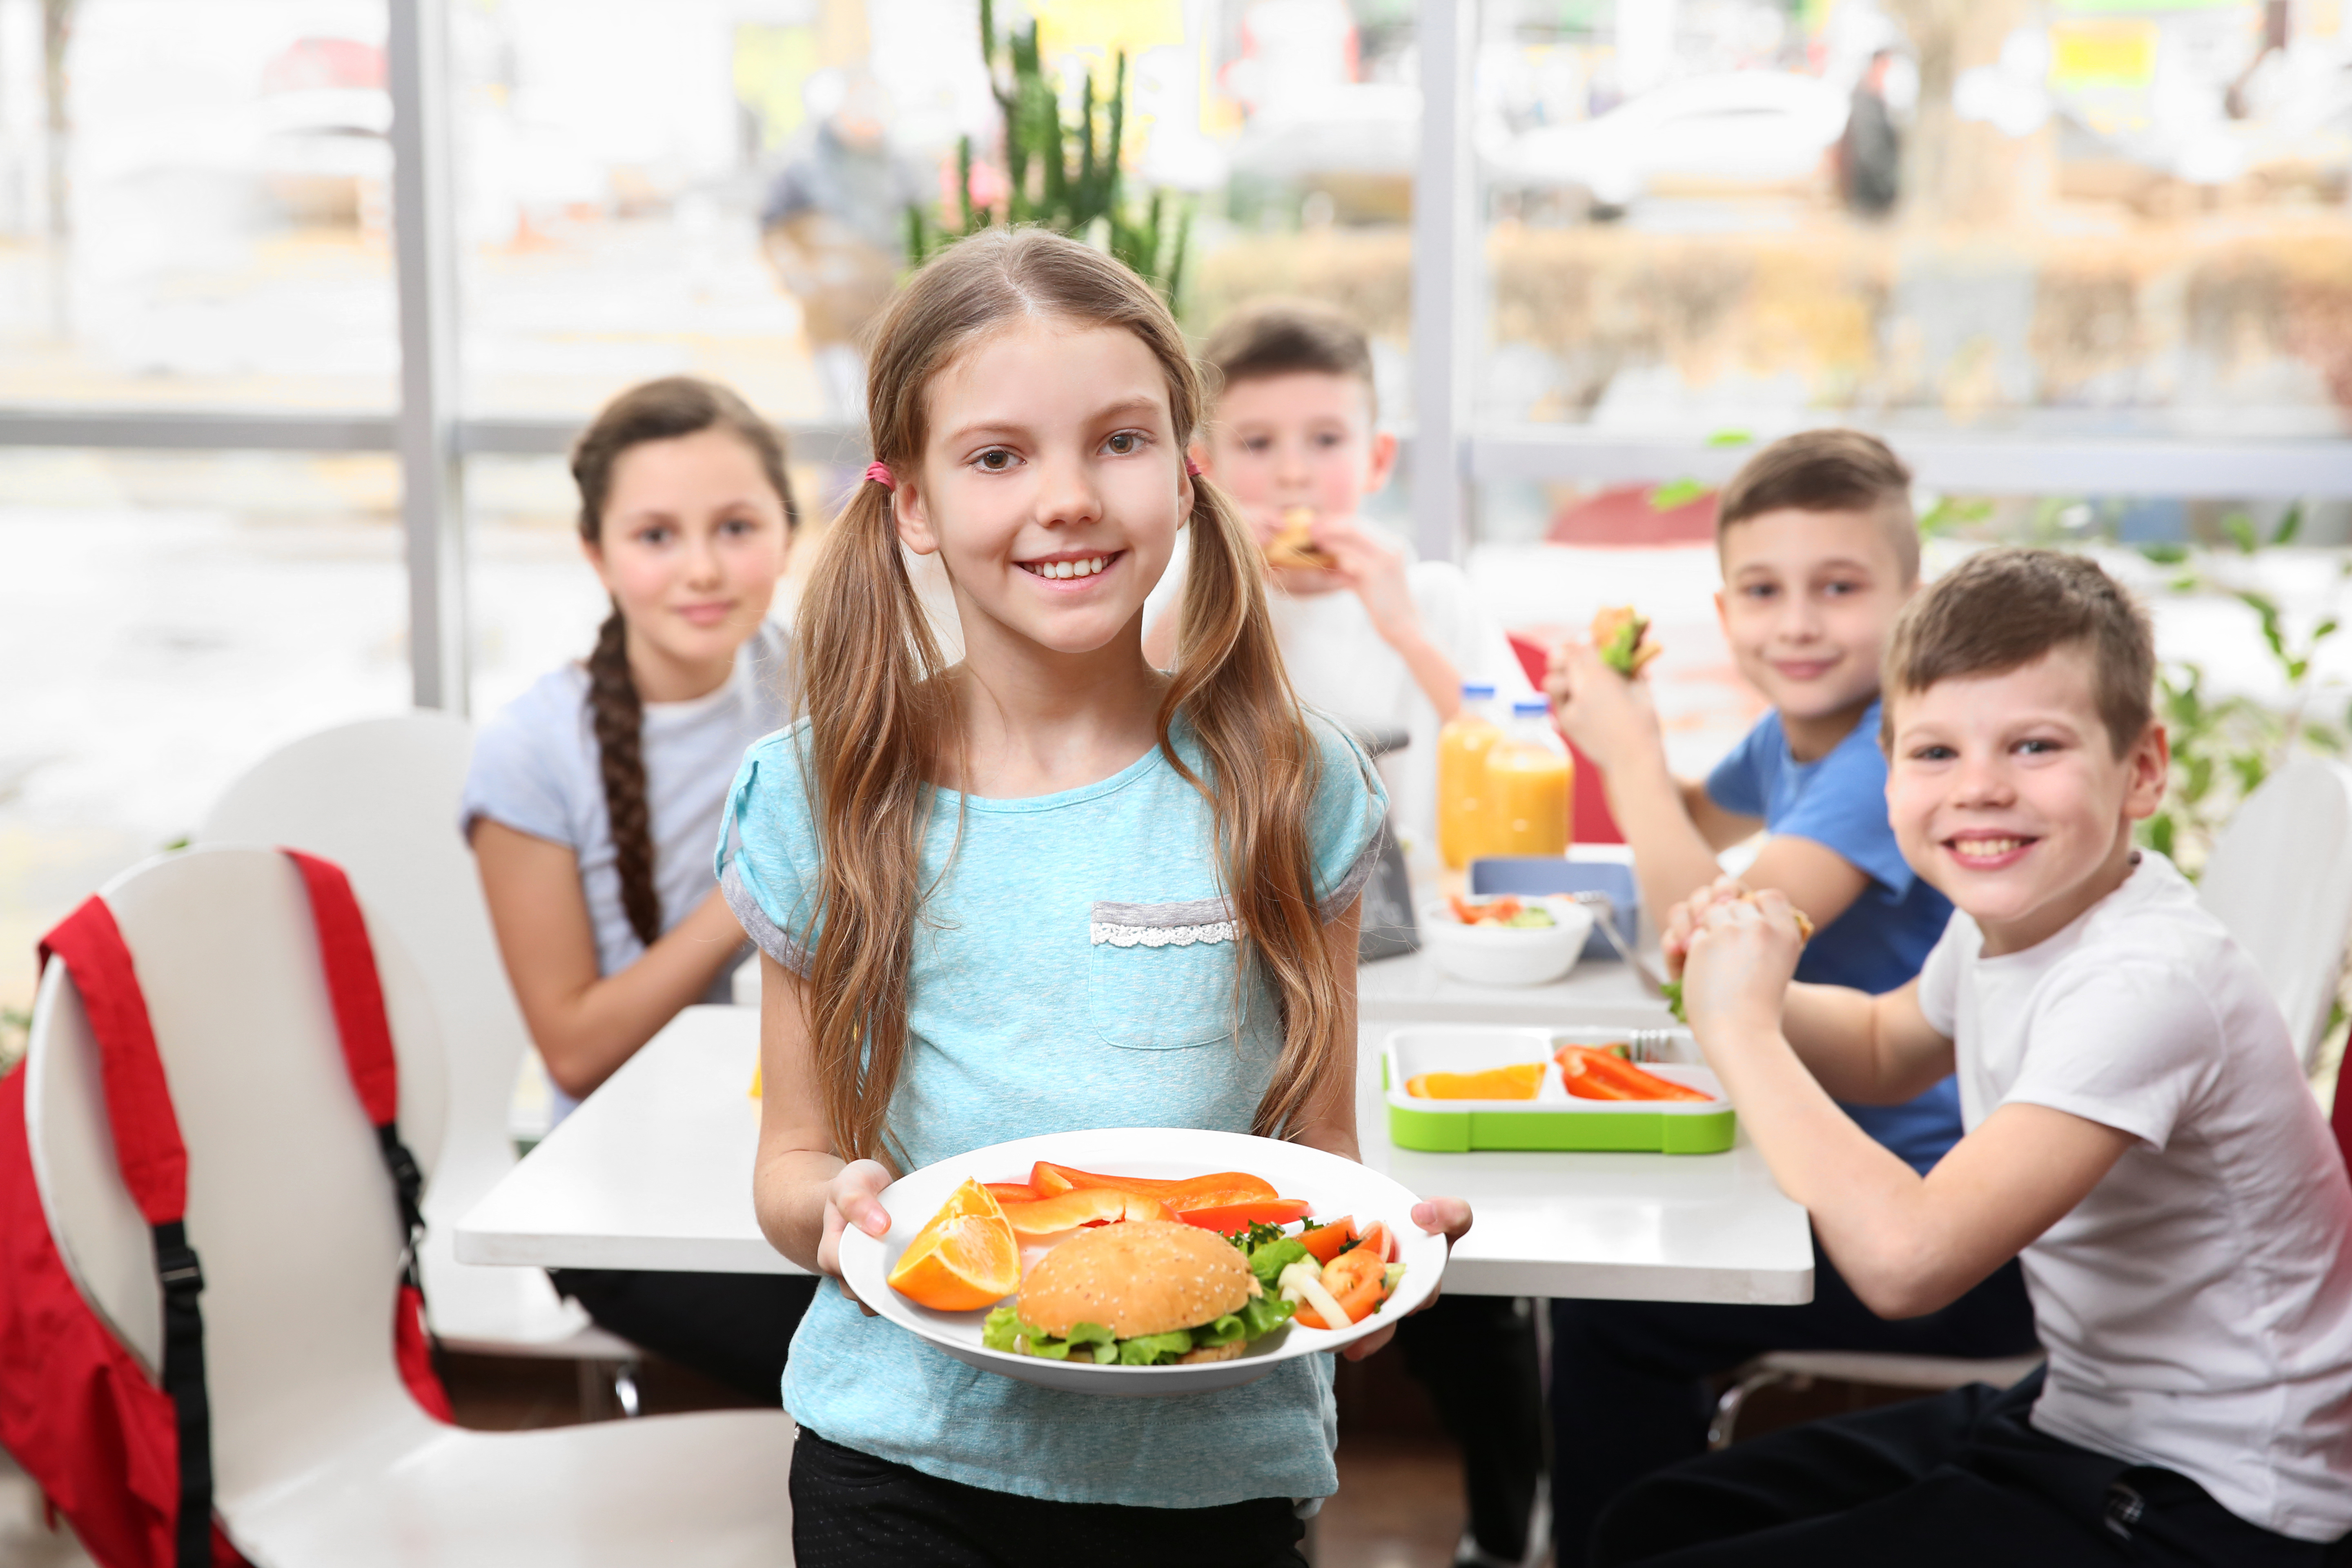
(1673, 938)
(1375, 572)
(1738, 962)
(1609, 718)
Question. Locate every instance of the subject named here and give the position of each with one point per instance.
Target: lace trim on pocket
(1115, 935)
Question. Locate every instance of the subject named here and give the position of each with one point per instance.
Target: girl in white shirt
(592, 800)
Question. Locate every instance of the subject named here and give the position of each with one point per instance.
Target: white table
(654, 1170)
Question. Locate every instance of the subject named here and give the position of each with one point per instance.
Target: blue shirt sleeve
(1741, 781)
(768, 857)
(1345, 820)
(1842, 807)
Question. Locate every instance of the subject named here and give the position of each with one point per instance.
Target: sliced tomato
(1360, 1302)
(1013, 1191)
(1349, 1269)
(1324, 1243)
(1468, 913)
(1081, 1206)
(1380, 1242)
(1241, 1216)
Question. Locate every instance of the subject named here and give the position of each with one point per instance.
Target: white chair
(380, 798)
(2280, 878)
(319, 1455)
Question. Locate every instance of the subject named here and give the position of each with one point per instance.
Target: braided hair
(660, 410)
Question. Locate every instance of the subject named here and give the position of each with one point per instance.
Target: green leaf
(1674, 493)
(2289, 526)
(2159, 833)
(1730, 439)
(2241, 530)
(2165, 554)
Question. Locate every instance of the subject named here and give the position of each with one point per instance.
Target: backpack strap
(155, 1165)
(356, 992)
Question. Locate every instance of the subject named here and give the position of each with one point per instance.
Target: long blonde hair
(882, 723)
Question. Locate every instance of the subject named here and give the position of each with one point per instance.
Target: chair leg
(1720, 1430)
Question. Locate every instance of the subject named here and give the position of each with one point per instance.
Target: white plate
(1331, 1187)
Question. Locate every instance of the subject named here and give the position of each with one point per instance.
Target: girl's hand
(1609, 718)
(1450, 1216)
(854, 1196)
(1737, 966)
(1674, 940)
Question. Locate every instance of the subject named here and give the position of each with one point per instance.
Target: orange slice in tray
(966, 1257)
(1517, 1082)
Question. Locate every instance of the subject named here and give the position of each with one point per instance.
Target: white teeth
(1989, 848)
(1057, 569)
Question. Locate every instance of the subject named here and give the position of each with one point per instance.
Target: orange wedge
(1517, 1082)
(964, 1258)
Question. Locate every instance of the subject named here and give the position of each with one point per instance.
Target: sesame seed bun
(1139, 1277)
(1293, 546)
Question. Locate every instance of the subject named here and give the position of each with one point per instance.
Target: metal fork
(1604, 915)
(1648, 1045)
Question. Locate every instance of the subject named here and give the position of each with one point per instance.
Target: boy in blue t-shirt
(1820, 552)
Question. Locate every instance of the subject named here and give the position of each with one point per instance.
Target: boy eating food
(1820, 553)
(1367, 634)
(2138, 1132)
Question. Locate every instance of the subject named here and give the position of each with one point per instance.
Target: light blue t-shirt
(1839, 802)
(1038, 1001)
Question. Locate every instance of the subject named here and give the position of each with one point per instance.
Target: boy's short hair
(2002, 609)
(1286, 337)
(1826, 471)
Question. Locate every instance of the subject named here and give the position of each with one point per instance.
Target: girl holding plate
(1045, 888)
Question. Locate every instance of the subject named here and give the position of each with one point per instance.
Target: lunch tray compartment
(1554, 1120)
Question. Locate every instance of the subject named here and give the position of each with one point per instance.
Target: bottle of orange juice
(1526, 803)
(1462, 774)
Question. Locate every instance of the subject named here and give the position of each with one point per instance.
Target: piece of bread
(1627, 655)
(1139, 1277)
(1292, 547)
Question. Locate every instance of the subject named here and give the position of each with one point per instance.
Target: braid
(619, 715)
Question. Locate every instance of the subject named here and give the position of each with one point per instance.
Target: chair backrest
(2280, 878)
(289, 1203)
(380, 798)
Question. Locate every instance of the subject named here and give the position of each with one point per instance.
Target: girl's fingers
(1369, 1343)
(1450, 1216)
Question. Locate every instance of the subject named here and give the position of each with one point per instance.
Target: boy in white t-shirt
(1375, 636)
(2140, 1134)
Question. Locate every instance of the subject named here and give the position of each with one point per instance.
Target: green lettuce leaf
(1673, 991)
(1269, 1260)
(1150, 1350)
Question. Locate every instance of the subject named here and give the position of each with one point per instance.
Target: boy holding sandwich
(2139, 1133)
(1820, 553)
(1368, 634)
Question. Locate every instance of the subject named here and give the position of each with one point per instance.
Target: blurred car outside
(1734, 133)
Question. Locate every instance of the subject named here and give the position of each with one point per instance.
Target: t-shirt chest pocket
(1161, 977)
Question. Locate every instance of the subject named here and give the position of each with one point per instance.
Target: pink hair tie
(879, 473)
(1192, 468)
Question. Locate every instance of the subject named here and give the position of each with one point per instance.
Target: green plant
(1064, 176)
(2224, 747)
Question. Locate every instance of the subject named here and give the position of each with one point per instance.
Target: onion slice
(1297, 1283)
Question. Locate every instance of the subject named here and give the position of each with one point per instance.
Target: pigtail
(869, 669)
(1230, 686)
(619, 714)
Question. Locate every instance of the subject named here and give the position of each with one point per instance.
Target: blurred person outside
(834, 224)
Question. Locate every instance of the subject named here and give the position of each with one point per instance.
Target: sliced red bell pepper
(1011, 1191)
(1609, 1072)
(1241, 1216)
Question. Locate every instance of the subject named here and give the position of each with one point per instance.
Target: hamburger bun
(1292, 547)
(1637, 650)
(1139, 1277)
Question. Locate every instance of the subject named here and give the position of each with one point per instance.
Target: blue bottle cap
(1477, 689)
(1535, 710)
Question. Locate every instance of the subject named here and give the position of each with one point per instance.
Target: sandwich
(1142, 1292)
(1623, 638)
(1292, 547)
(1673, 989)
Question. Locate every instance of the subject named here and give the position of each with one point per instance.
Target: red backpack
(127, 1460)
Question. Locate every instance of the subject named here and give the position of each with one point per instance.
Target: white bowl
(1506, 956)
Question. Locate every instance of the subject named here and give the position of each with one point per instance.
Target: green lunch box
(1554, 1118)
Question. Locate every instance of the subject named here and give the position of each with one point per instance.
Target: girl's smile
(1071, 566)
